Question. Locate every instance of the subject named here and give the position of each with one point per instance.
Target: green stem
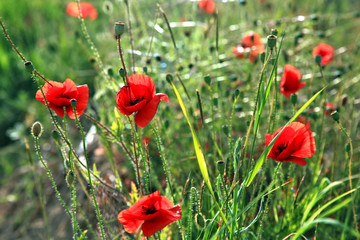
(136, 161)
(89, 174)
(158, 141)
(52, 181)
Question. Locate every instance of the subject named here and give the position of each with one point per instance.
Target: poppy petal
(82, 100)
(296, 160)
(147, 113)
(164, 218)
(142, 86)
(129, 221)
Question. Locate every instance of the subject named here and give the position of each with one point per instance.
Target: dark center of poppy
(280, 148)
(136, 101)
(149, 210)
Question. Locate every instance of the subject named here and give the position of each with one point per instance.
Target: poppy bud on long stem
(169, 78)
(36, 129)
(29, 66)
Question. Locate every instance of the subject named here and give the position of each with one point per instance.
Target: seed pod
(119, 29)
(336, 116)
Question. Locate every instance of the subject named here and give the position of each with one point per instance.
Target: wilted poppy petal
(164, 218)
(146, 114)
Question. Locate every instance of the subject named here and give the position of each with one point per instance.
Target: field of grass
(205, 150)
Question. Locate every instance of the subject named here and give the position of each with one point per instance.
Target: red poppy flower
(290, 81)
(207, 6)
(325, 51)
(152, 212)
(329, 108)
(294, 144)
(250, 44)
(86, 10)
(139, 96)
(58, 96)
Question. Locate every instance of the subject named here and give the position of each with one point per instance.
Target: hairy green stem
(89, 174)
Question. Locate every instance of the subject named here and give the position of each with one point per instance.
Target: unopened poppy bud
(237, 93)
(293, 99)
(119, 29)
(314, 17)
(220, 165)
(232, 78)
(110, 72)
(225, 129)
(216, 102)
(169, 78)
(344, 100)
(271, 41)
(207, 79)
(336, 116)
(238, 108)
(242, 2)
(157, 57)
(262, 57)
(56, 135)
(70, 178)
(73, 102)
(274, 32)
(317, 59)
(320, 34)
(36, 129)
(122, 72)
(200, 220)
(145, 69)
(29, 66)
(347, 147)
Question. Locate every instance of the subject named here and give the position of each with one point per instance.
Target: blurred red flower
(58, 96)
(152, 213)
(207, 6)
(139, 96)
(329, 108)
(250, 44)
(290, 81)
(294, 144)
(325, 51)
(86, 10)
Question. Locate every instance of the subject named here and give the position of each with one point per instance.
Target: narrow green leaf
(199, 153)
(328, 221)
(263, 97)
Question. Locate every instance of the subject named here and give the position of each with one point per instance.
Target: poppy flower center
(136, 101)
(149, 210)
(280, 148)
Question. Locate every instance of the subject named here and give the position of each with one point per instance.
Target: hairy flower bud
(36, 129)
(29, 66)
